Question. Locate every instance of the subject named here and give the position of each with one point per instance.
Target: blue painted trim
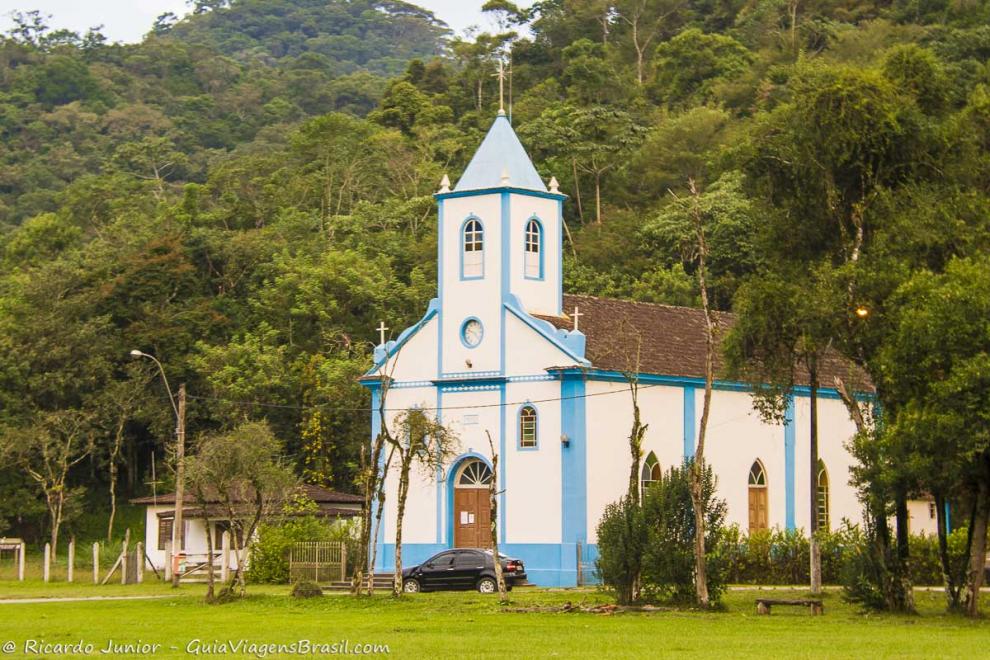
(790, 442)
(484, 247)
(452, 471)
(691, 381)
(499, 189)
(518, 433)
(574, 461)
(503, 480)
(690, 430)
(560, 256)
(439, 474)
(376, 428)
(540, 246)
(948, 519)
(550, 333)
(440, 287)
(463, 339)
(504, 275)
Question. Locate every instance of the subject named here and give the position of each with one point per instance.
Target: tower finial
(445, 184)
(554, 186)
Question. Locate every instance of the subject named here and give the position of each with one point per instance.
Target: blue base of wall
(547, 564)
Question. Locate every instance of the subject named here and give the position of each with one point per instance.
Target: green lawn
(463, 625)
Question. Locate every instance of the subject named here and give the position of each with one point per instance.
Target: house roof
(671, 340)
(500, 155)
(318, 494)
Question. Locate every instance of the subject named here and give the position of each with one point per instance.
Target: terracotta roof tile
(671, 340)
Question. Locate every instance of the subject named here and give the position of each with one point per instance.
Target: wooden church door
(472, 513)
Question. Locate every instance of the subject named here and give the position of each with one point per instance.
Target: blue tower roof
(500, 154)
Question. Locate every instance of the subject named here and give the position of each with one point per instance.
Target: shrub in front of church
(270, 553)
(621, 537)
(668, 557)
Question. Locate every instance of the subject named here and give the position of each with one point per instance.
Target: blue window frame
(472, 249)
(528, 427)
(533, 250)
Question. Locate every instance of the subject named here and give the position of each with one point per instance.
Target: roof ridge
(646, 303)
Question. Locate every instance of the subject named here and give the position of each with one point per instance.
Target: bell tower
(499, 241)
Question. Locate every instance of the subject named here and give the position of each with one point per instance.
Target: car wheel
(487, 585)
(411, 586)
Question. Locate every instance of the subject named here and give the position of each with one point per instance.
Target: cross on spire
(501, 87)
(576, 315)
(381, 332)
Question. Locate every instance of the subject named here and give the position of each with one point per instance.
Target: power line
(330, 408)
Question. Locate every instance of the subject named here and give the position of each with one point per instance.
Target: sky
(129, 20)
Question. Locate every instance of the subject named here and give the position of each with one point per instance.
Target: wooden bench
(763, 605)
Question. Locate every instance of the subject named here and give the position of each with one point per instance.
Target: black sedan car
(462, 568)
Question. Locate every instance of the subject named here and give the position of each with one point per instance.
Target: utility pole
(180, 482)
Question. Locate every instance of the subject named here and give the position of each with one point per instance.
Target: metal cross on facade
(576, 316)
(381, 332)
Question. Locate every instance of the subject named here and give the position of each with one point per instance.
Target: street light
(180, 455)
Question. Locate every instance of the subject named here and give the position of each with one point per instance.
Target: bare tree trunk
(577, 189)
(503, 594)
(380, 498)
(698, 466)
(905, 592)
(210, 579)
(404, 465)
(114, 455)
(598, 197)
(816, 554)
(978, 551)
(952, 589)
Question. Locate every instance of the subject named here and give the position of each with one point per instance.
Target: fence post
(168, 561)
(343, 562)
(139, 562)
(580, 572)
(46, 567)
(123, 556)
(225, 556)
(71, 567)
(96, 563)
(20, 562)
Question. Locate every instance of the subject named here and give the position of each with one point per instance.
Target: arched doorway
(758, 518)
(472, 512)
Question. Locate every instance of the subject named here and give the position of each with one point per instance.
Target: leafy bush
(668, 559)
(621, 537)
(270, 553)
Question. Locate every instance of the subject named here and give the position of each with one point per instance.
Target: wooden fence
(318, 561)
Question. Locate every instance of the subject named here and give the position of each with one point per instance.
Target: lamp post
(180, 460)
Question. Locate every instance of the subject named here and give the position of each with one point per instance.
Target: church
(503, 350)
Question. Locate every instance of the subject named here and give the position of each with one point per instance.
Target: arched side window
(823, 499)
(758, 498)
(527, 427)
(533, 254)
(472, 250)
(651, 472)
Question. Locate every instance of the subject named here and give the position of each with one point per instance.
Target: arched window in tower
(527, 427)
(823, 502)
(533, 255)
(758, 519)
(651, 472)
(472, 250)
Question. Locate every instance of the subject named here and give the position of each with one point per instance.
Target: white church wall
(479, 298)
(609, 419)
(538, 296)
(532, 485)
(416, 360)
(921, 517)
(834, 431)
(527, 352)
(735, 438)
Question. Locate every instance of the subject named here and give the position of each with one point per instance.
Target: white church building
(503, 350)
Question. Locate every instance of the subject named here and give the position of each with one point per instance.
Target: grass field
(468, 625)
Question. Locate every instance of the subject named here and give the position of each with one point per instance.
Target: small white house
(160, 516)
